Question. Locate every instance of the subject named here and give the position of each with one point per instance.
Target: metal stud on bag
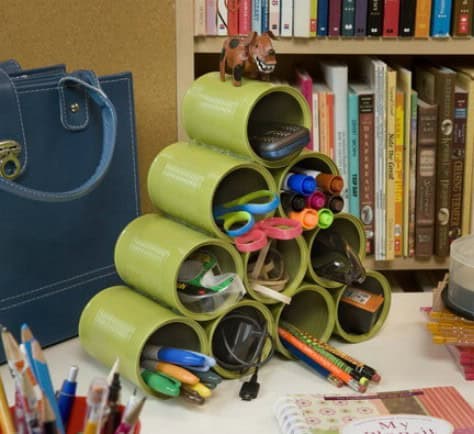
(9, 162)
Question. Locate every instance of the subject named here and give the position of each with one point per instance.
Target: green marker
(326, 217)
(161, 383)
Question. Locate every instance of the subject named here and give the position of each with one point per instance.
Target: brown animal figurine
(250, 56)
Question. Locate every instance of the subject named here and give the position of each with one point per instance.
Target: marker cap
(326, 217)
(308, 218)
(300, 183)
(330, 183)
(316, 200)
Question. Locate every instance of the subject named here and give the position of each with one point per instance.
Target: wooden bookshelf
(189, 48)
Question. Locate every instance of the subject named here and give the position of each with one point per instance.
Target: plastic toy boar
(250, 56)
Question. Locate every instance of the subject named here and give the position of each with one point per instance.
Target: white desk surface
(402, 352)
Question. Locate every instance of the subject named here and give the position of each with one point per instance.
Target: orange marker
(177, 372)
(320, 360)
(309, 218)
(331, 183)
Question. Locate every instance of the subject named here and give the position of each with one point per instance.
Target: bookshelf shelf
(395, 46)
(190, 49)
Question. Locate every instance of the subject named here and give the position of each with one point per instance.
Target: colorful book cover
(245, 17)
(348, 17)
(301, 20)
(313, 18)
(265, 16)
(327, 414)
(233, 16)
(323, 17)
(335, 12)
(423, 18)
(257, 16)
(353, 121)
(274, 16)
(375, 18)
(441, 18)
(391, 17)
(390, 164)
(360, 26)
(399, 226)
(323, 112)
(286, 18)
(304, 82)
(412, 174)
(457, 162)
(462, 18)
(406, 26)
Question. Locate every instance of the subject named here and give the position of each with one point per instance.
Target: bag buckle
(10, 166)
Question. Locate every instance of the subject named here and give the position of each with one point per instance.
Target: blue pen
(178, 356)
(67, 394)
(311, 363)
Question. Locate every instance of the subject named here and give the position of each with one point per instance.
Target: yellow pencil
(6, 423)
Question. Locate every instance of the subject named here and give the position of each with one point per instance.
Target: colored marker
(292, 201)
(67, 394)
(181, 374)
(308, 218)
(299, 183)
(326, 218)
(335, 203)
(161, 383)
(317, 200)
(178, 356)
(113, 400)
(333, 184)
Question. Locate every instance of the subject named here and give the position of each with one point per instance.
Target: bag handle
(109, 132)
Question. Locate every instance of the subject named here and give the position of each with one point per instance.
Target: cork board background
(106, 36)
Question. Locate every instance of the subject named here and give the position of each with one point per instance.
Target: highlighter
(161, 383)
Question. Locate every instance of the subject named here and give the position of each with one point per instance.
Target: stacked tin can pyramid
(185, 182)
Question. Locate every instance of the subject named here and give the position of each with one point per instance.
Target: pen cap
(312, 310)
(283, 268)
(306, 161)
(374, 283)
(187, 181)
(119, 322)
(220, 114)
(299, 183)
(151, 250)
(248, 308)
(346, 227)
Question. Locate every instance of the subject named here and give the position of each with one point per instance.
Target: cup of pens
(40, 409)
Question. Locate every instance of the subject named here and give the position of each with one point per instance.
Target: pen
(49, 424)
(96, 401)
(6, 422)
(66, 394)
(131, 418)
(113, 400)
(178, 356)
(44, 380)
(113, 370)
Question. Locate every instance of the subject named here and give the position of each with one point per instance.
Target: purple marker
(317, 200)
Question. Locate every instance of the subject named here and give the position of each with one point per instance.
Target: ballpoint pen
(66, 394)
(96, 402)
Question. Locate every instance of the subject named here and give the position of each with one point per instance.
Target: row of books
(334, 18)
(403, 140)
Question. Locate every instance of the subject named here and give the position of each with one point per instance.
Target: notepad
(327, 414)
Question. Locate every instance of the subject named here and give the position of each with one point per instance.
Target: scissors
(277, 228)
(237, 216)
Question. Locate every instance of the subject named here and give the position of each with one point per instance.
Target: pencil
(318, 358)
(49, 424)
(44, 380)
(6, 422)
(27, 340)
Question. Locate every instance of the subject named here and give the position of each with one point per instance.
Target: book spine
(353, 122)
(441, 18)
(398, 232)
(211, 17)
(315, 121)
(256, 16)
(412, 175)
(199, 17)
(367, 168)
(457, 164)
(323, 17)
(335, 11)
(390, 18)
(265, 16)
(375, 18)
(425, 179)
(462, 18)
(390, 166)
(305, 85)
(323, 123)
(348, 17)
(406, 26)
(301, 11)
(274, 16)
(313, 15)
(331, 121)
(360, 20)
(423, 18)
(286, 18)
(245, 17)
(221, 18)
(233, 17)
(444, 89)
(380, 115)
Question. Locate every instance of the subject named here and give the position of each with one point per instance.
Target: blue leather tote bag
(68, 187)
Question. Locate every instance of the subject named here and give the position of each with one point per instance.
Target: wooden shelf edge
(433, 263)
(401, 46)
